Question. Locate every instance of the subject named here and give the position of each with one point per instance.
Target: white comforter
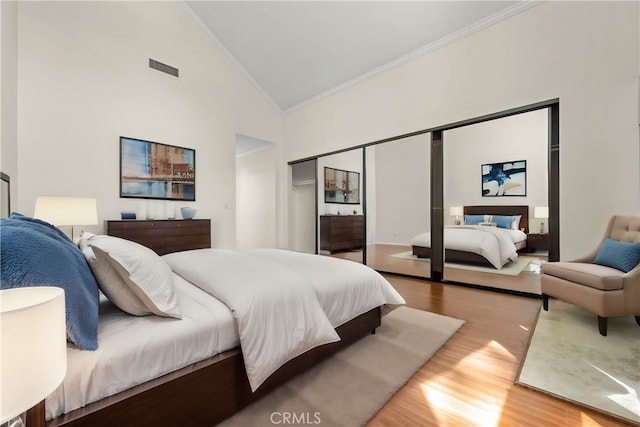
(345, 289)
(276, 309)
(497, 245)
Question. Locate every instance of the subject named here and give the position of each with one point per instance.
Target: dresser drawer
(164, 236)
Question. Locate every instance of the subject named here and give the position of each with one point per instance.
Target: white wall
(520, 137)
(84, 81)
(584, 53)
(256, 199)
(9, 95)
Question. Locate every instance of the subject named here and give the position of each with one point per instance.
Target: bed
(482, 242)
(191, 369)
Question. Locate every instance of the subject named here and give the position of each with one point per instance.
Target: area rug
(510, 269)
(568, 358)
(350, 387)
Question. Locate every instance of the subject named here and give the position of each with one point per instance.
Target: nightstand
(537, 242)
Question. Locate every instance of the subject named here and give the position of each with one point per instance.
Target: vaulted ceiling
(297, 51)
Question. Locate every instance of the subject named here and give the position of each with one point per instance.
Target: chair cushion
(623, 256)
(593, 275)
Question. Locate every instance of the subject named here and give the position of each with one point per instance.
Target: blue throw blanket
(36, 253)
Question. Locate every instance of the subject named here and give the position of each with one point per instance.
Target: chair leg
(545, 302)
(602, 326)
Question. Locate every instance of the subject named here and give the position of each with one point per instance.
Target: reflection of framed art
(341, 186)
(504, 179)
(150, 170)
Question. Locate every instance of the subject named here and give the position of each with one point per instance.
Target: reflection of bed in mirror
(481, 244)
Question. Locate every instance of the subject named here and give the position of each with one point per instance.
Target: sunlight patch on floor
(476, 412)
(481, 359)
(628, 400)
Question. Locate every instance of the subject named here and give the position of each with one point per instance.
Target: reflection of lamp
(456, 211)
(543, 213)
(34, 348)
(67, 211)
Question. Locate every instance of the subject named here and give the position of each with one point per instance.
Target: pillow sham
(474, 219)
(488, 224)
(132, 276)
(510, 222)
(36, 253)
(623, 256)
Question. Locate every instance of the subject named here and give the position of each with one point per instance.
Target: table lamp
(33, 348)
(456, 211)
(543, 213)
(66, 211)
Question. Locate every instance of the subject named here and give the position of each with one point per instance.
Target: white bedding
(276, 309)
(345, 289)
(496, 244)
(134, 349)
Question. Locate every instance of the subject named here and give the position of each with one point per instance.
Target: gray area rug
(568, 358)
(510, 269)
(350, 387)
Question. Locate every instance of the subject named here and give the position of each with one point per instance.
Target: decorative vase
(187, 213)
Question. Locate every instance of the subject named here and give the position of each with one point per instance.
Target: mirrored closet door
(495, 184)
(398, 204)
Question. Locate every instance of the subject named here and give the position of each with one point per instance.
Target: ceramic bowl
(187, 213)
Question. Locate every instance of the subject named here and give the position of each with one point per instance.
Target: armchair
(603, 290)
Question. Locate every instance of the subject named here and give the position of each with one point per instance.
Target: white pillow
(132, 276)
(515, 225)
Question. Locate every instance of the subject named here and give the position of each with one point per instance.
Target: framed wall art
(341, 186)
(504, 179)
(151, 170)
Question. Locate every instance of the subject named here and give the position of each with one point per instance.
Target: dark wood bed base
(453, 255)
(204, 393)
(207, 392)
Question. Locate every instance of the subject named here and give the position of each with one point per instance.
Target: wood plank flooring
(470, 380)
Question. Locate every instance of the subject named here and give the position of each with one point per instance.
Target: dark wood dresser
(165, 235)
(341, 232)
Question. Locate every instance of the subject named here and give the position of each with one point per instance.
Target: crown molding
(517, 8)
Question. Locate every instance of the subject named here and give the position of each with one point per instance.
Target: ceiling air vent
(168, 69)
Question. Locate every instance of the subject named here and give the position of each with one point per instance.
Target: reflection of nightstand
(537, 242)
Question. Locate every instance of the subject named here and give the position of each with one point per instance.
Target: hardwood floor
(470, 380)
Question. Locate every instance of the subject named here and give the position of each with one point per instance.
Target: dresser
(165, 235)
(341, 232)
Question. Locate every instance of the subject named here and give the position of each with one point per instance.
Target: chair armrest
(632, 277)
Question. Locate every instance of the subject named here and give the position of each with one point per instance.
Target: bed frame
(453, 255)
(204, 393)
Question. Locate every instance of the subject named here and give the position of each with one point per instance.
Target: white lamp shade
(62, 211)
(456, 210)
(33, 347)
(541, 212)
